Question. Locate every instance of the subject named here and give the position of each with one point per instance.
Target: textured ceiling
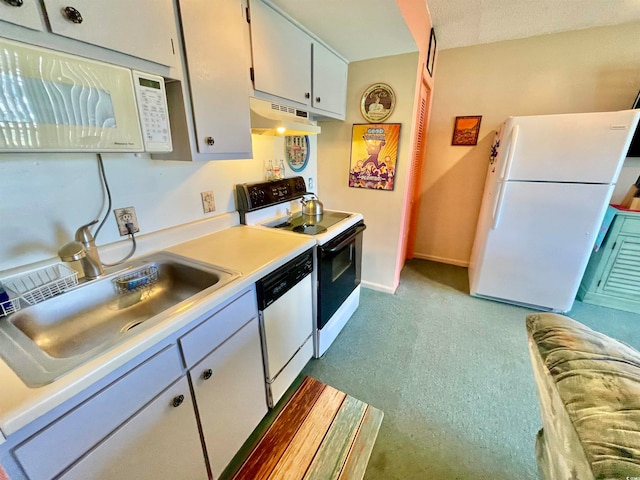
(460, 23)
(361, 29)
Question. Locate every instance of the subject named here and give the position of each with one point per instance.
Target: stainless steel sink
(44, 341)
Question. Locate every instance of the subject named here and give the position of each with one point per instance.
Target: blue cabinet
(612, 278)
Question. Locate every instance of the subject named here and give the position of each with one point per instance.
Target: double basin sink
(44, 341)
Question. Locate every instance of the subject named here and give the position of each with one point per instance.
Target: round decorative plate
(296, 149)
(378, 102)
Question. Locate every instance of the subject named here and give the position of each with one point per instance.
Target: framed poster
(431, 53)
(296, 150)
(466, 130)
(374, 154)
(377, 103)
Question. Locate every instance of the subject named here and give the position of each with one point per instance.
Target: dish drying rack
(36, 286)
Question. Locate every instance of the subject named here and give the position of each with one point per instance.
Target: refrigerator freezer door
(539, 250)
(581, 148)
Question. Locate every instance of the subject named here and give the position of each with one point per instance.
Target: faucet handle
(83, 234)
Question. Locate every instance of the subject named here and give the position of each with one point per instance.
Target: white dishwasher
(286, 323)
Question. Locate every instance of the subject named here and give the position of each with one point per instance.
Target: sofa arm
(589, 391)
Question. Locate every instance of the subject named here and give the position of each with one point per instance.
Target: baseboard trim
(378, 287)
(435, 258)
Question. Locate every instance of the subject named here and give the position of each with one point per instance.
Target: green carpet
(451, 374)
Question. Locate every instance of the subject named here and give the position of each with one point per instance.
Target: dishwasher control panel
(280, 281)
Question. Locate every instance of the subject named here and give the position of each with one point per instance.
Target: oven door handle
(346, 241)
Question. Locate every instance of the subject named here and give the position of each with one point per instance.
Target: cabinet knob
(307, 95)
(14, 3)
(73, 15)
(207, 374)
(209, 140)
(177, 401)
(318, 99)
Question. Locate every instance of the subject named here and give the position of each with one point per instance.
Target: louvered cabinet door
(612, 278)
(622, 274)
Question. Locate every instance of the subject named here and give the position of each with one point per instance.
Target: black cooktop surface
(311, 224)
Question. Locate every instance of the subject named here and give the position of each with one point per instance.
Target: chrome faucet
(84, 249)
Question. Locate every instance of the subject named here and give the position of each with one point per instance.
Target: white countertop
(252, 251)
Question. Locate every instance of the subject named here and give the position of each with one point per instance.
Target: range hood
(269, 118)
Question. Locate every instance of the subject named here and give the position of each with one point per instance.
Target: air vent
(289, 110)
(270, 118)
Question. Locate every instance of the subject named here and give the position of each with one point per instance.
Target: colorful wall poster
(374, 154)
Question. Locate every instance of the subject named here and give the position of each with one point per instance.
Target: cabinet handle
(307, 95)
(73, 15)
(177, 401)
(209, 140)
(14, 3)
(207, 374)
(318, 99)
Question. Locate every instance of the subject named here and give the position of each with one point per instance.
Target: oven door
(339, 263)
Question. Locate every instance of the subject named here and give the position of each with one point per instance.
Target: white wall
(44, 198)
(587, 70)
(382, 210)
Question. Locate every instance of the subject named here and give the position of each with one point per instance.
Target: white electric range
(337, 256)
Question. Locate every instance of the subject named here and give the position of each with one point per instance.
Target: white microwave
(55, 102)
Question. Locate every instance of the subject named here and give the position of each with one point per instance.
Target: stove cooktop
(308, 224)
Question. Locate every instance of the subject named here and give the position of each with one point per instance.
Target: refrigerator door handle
(497, 211)
(511, 152)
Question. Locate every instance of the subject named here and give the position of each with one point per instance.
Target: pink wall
(418, 19)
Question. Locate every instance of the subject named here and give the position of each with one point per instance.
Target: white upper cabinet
(329, 81)
(145, 28)
(281, 55)
(217, 67)
(22, 12)
(209, 111)
(291, 64)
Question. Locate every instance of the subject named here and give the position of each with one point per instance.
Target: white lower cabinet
(161, 441)
(229, 390)
(88, 427)
(158, 418)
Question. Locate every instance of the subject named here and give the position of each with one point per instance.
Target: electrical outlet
(208, 203)
(124, 216)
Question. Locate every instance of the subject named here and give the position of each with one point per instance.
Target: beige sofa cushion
(597, 380)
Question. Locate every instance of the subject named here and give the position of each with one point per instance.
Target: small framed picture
(431, 53)
(466, 130)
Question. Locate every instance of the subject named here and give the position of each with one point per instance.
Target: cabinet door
(622, 273)
(281, 55)
(144, 28)
(161, 441)
(329, 81)
(230, 394)
(27, 14)
(218, 68)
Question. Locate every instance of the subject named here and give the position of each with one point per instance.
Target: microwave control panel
(154, 113)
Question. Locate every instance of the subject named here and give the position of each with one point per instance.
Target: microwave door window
(52, 101)
(44, 102)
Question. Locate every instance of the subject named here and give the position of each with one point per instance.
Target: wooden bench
(320, 434)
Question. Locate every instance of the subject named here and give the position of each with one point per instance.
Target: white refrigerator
(549, 182)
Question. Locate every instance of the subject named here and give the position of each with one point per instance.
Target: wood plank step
(320, 434)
